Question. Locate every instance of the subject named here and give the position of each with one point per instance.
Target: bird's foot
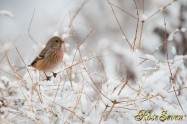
(48, 78)
(54, 74)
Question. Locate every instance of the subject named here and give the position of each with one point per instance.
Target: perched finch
(50, 57)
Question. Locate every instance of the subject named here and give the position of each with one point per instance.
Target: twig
(91, 30)
(56, 93)
(141, 29)
(17, 75)
(123, 85)
(114, 103)
(161, 9)
(78, 100)
(138, 18)
(120, 25)
(74, 16)
(167, 56)
(33, 87)
(29, 32)
(124, 11)
(102, 115)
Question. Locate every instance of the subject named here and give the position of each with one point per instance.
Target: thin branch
(141, 29)
(171, 74)
(29, 75)
(17, 75)
(123, 85)
(161, 9)
(29, 32)
(138, 18)
(124, 11)
(74, 16)
(120, 25)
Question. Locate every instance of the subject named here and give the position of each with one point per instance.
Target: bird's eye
(56, 41)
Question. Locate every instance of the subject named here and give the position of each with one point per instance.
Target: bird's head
(55, 43)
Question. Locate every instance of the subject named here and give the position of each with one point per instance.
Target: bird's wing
(41, 56)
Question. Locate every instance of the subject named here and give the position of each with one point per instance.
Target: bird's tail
(20, 68)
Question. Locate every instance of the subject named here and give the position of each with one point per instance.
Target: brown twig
(124, 11)
(119, 25)
(17, 75)
(29, 32)
(123, 85)
(141, 29)
(161, 9)
(167, 57)
(74, 16)
(137, 25)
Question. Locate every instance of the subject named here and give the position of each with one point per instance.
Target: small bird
(50, 57)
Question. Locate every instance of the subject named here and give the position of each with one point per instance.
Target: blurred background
(53, 17)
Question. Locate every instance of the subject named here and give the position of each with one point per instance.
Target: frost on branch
(144, 18)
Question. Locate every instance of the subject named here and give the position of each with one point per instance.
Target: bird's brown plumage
(50, 56)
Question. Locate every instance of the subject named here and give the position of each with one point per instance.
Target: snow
(104, 81)
(150, 57)
(173, 50)
(144, 17)
(183, 29)
(171, 36)
(161, 9)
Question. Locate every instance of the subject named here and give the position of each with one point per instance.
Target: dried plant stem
(123, 86)
(141, 29)
(160, 10)
(70, 72)
(114, 103)
(73, 112)
(75, 15)
(137, 25)
(29, 32)
(124, 11)
(167, 58)
(33, 84)
(56, 93)
(120, 25)
(76, 104)
(17, 75)
(103, 113)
